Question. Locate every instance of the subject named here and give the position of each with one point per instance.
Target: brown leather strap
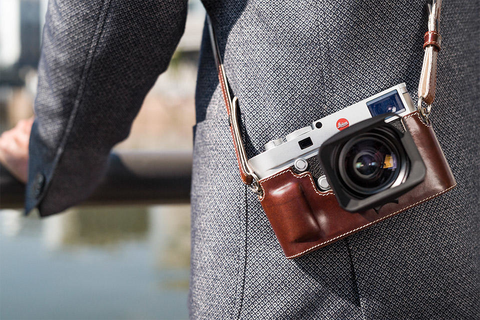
(432, 44)
(432, 38)
(246, 173)
(247, 179)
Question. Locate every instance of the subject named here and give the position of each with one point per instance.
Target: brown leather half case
(305, 219)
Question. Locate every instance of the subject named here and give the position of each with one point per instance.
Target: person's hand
(14, 149)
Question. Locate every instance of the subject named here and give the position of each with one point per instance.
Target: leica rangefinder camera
(363, 153)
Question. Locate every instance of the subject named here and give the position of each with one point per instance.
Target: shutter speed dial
(276, 142)
(273, 143)
(298, 133)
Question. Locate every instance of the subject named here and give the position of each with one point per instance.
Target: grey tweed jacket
(289, 62)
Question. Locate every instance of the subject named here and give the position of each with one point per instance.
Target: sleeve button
(38, 185)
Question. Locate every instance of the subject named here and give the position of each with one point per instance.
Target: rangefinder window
(389, 102)
(305, 143)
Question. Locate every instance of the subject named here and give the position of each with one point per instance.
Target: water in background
(98, 263)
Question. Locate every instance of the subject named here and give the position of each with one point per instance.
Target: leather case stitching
(371, 223)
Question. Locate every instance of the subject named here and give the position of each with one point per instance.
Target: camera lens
(372, 162)
(367, 163)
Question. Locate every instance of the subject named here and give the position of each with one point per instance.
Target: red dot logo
(342, 124)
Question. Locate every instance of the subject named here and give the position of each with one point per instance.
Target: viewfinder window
(389, 102)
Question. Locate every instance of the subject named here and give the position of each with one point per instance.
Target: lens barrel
(372, 162)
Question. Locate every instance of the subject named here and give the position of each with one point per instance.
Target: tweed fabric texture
(289, 63)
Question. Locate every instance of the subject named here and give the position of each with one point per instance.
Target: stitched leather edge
(371, 223)
(223, 86)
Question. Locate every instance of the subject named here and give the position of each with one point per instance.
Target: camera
(347, 171)
(363, 153)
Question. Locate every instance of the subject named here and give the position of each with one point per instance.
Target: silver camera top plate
(305, 142)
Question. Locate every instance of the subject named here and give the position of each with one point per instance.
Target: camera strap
(432, 45)
(426, 89)
(247, 174)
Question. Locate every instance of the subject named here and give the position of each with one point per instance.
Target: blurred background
(116, 262)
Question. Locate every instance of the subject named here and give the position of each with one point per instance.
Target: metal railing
(132, 178)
